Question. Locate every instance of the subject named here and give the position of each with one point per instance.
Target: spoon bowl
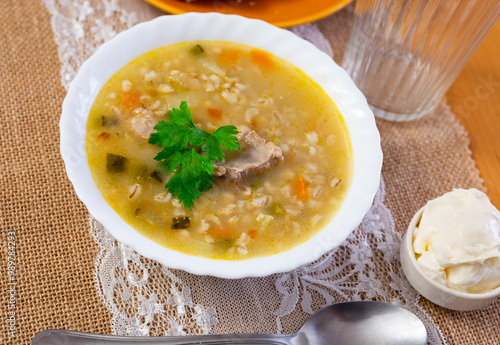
(363, 322)
(348, 323)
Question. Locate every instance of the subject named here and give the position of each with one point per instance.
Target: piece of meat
(256, 156)
(142, 125)
(219, 170)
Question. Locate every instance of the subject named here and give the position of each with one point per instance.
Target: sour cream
(457, 242)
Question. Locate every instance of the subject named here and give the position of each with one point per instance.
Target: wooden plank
(475, 99)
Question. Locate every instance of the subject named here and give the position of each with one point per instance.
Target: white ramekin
(432, 290)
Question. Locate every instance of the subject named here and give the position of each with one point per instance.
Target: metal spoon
(348, 323)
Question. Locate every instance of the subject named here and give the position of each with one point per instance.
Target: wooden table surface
(475, 99)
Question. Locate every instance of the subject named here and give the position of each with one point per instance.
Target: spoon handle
(64, 337)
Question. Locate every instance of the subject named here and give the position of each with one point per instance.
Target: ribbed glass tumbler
(405, 54)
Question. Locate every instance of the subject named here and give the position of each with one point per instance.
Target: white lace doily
(146, 298)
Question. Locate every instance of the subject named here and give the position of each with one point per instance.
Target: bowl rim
(408, 243)
(358, 118)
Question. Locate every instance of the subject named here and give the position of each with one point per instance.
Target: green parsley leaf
(223, 137)
(181, 153)
(226, 135)
(182, 116)
(212, 149)
(166, 155)
(193, 175)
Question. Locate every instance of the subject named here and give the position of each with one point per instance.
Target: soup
(284, 184)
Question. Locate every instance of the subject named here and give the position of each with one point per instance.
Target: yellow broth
(223, 84)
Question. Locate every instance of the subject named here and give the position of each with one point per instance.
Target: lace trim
(81, 26)
(142, 295)
(365, 267)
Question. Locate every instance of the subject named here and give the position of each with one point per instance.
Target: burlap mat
(54, 250)
(54, 253)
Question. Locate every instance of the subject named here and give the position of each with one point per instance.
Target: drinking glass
(404, 54)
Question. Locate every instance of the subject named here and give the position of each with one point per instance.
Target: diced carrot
(300, 189)
(131, 100)
(260, 122)
(222, 233)
(215, 113)
(104, 135)
(252, 233)
(261, 58)
(228, 56)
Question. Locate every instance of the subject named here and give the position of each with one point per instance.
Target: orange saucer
(282, 13)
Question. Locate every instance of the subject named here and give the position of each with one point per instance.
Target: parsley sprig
(190, 152)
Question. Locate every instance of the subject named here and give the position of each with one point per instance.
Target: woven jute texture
(53, 285)
(54, 252)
